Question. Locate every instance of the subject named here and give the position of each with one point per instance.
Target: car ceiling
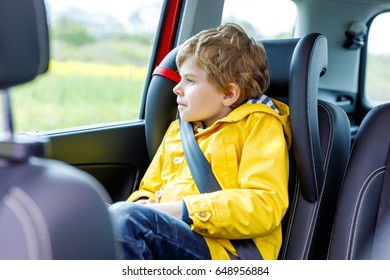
(343, 64)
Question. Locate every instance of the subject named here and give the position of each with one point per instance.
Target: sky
(121, 9)
(379, 35)
(269, 17)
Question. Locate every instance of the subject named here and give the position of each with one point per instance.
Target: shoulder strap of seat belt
(206, 182)
(381, 243)
(200, 168)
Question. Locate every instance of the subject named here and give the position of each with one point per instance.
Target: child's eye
(190, 81)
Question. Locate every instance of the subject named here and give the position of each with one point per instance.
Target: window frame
(364, 104)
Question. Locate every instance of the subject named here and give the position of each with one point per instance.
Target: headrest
(279, 53)
(308, 64)
(161, 106)
(24, 45)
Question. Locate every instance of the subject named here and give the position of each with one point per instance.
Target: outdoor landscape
(98, 67)
(96, 74)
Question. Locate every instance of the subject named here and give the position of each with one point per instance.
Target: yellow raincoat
(248, 152)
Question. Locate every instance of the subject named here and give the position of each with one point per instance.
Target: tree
(72, 32)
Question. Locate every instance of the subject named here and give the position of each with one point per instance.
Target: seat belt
(206, 182)
(381, 243)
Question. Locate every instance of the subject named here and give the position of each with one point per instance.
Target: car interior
(361, 224)
(323, 127)
(49, 210)
(339, 159)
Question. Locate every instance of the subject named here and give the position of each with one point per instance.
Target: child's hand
(172, 208)
(145, 201)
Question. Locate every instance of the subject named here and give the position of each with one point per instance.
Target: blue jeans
(148, 234)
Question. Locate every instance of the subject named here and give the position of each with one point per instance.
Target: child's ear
(232, 95)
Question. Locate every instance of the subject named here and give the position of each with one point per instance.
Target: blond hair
(229, 55)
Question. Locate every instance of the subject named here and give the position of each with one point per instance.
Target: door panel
(116, 155)
(346, 101)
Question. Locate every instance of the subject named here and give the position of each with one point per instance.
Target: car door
(90, 103)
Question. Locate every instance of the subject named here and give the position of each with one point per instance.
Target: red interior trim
(168, 30)
(168, 73)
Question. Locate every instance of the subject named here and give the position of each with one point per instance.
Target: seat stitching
(292, 217)
(312, 225)
(33, 223)
(27, 227)
(310, 131)
(309, 234)
(357, 209)
(339, 196)
(313, 159)
(313, 165)
(330, 145)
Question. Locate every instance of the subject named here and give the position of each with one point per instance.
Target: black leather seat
(356, 225)
(321, 138)
(48, 210)
(321, 145)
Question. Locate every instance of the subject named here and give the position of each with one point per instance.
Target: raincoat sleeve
(255, 203)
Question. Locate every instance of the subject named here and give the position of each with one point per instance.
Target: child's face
(197, 99)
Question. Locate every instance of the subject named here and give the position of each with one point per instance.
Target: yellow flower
(78, 68)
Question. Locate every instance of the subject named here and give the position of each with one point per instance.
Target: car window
(378, 60)
(262, 19)
(100, 53)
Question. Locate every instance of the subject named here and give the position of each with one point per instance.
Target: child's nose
(177, 89)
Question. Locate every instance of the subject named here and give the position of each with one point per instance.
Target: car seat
(360, 231)
(321, 137)
(321, 145)
(48, 210)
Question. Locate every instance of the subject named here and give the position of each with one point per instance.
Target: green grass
(92, 83)
(377, 78)
(91, 80)
(64, 100)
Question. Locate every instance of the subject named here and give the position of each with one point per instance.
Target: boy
(244, 135)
